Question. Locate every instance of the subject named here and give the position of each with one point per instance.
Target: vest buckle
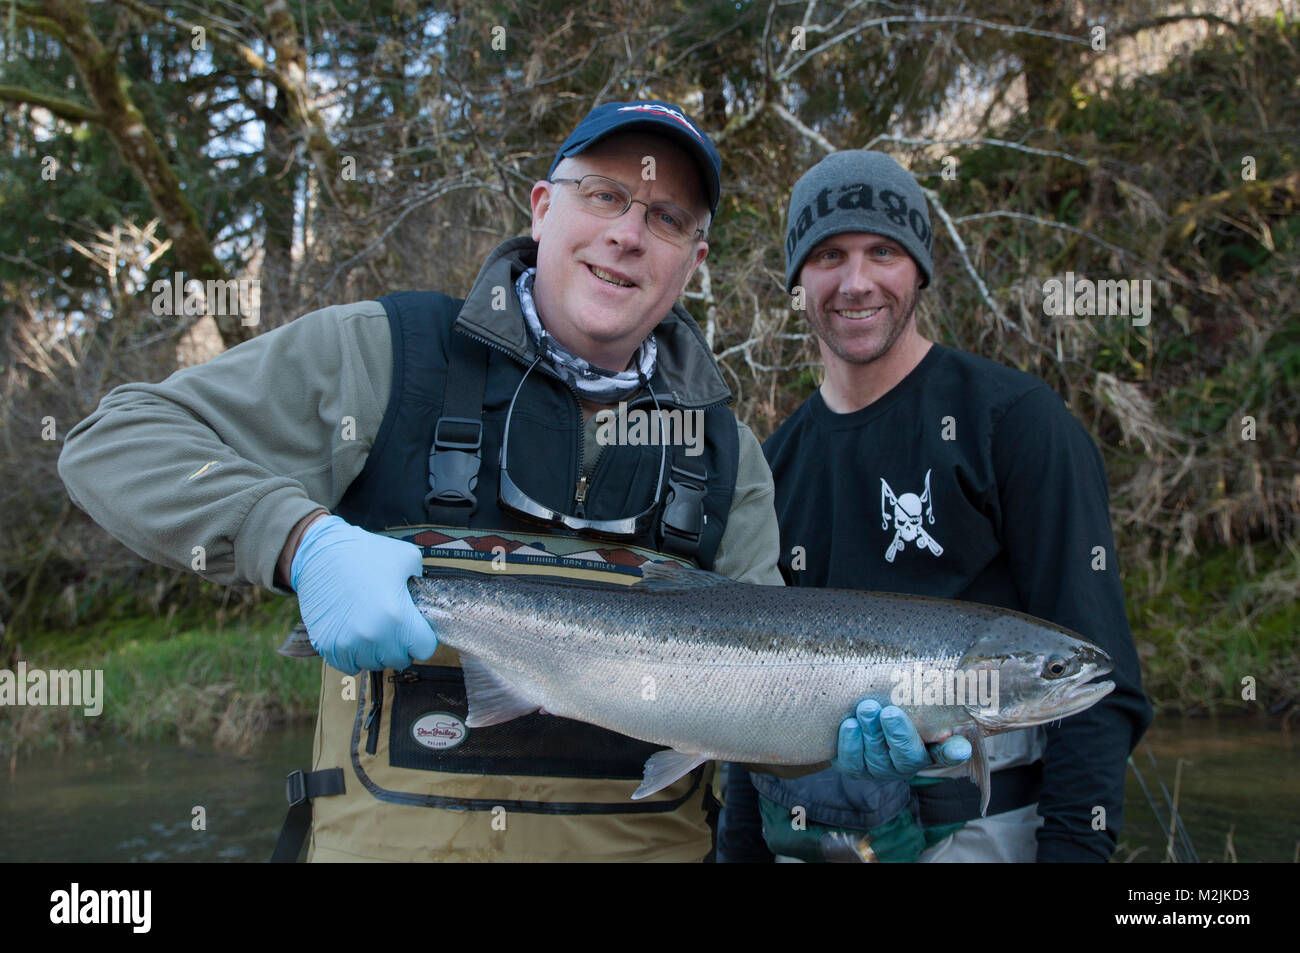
(295, 788)
(683, 519)
(454, 462)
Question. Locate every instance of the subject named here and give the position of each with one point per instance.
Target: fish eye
(1055, 667)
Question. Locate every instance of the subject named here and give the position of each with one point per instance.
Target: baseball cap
(652, 116)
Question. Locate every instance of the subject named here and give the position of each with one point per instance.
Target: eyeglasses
(609, 199)
(515, 499)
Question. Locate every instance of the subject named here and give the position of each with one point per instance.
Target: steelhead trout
(763, 675)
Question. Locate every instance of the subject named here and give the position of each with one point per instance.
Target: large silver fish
(716, 669)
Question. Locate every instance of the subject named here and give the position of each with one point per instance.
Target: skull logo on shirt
(905, 511)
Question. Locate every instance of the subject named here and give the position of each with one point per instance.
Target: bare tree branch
(408, 207)
(63, 108)
(32, 17)
(1050, 223)
(911, 141)
(786, 72)
(804, 131)
(964, 255)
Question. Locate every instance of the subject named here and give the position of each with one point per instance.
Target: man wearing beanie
(918, 468)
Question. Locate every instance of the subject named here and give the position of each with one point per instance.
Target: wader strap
(956, 801)
(300, 787)
(682, 522)
(712, 809)
(456, 452)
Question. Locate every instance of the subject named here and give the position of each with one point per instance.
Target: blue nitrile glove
(883, 745)
(352, 593)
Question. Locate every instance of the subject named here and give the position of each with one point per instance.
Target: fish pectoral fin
(298, 644)
(491, 699)
(664, 767)
(978, 765)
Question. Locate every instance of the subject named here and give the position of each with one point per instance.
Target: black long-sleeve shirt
(970, 480)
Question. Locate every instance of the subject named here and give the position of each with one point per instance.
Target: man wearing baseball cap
(917, 468)
(338, 456)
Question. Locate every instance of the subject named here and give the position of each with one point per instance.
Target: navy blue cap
(653, 116)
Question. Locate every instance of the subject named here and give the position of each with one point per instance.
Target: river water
(136, 802)
(1240, 776)
(120, 802)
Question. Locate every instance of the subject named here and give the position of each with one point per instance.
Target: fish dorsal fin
(664, 767)
(491, 699)
(660, 577)
(978, 765)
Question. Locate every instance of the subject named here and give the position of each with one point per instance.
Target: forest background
(326, 152)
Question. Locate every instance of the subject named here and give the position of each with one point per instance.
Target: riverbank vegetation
(182, 679)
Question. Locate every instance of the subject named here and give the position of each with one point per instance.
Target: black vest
(545, 440)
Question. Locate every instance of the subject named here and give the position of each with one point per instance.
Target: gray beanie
(857, 191)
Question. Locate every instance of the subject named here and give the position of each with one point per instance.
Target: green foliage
(1205, 622)
(1249, 384)
(189, 684)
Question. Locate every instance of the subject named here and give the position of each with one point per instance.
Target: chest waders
(396, 774)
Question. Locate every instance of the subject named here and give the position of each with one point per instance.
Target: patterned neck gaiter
(593, 383)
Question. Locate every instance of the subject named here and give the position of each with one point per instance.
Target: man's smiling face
(604, 283)
(860, 291)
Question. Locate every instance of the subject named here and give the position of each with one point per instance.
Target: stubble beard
(907, 306)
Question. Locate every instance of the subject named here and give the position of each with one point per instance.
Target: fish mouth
(1071, 700)
(1081, 696)
(1062, 702)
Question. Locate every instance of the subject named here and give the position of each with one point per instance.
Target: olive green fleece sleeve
(751, 542)
(210, 469)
